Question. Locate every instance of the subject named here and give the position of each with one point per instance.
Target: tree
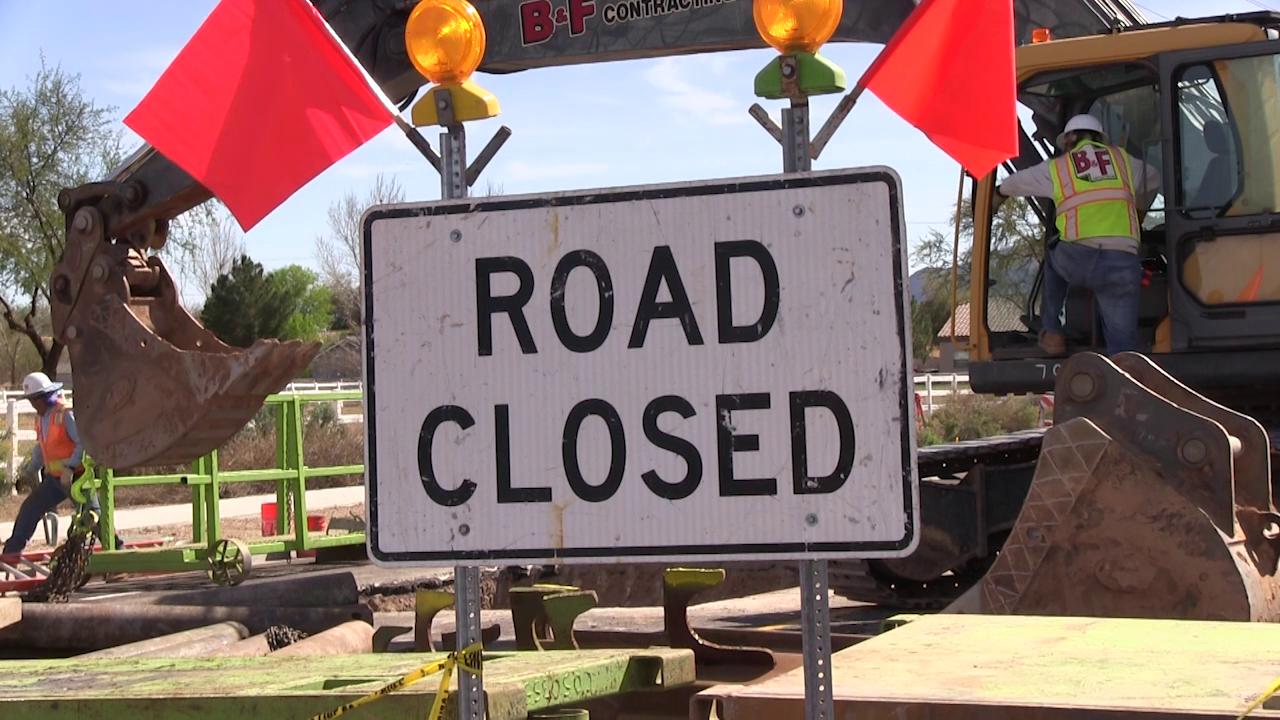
(339, 252)
(51, 137)
(927, 318)
(205, 241)
(1017, 247)
(313, 313)
(17, 356)
(247, 304)
(244, 306)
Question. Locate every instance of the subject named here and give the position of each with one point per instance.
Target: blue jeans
(45, 498)
(1114, 277)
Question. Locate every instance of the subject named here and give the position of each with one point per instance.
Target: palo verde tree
(1017, 246)
(51, 137)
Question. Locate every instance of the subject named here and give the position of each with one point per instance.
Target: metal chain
(68, 566)
(278, 636)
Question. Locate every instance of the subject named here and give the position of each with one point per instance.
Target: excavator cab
(1200, 100)
(1152, 494)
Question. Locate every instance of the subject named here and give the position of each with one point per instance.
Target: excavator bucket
(1149, 500)
(153, 387)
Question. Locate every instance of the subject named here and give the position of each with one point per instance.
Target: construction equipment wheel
(230, 562)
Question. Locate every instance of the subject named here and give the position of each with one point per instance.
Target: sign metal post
(814, 602)
(652, 356)
(466, 578)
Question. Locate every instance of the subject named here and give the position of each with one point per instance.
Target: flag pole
(955, 270)
(415, 137)
(850, 99)
(843, 108)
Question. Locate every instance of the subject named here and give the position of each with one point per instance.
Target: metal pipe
(91, 626)
(252, 646)
(188, 643)
(955, 269)
(311, 590)
(347, 639)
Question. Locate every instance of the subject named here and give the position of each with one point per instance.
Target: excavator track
(947, 467)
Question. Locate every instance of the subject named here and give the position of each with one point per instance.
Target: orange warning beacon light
(797, 25)
(445, 40)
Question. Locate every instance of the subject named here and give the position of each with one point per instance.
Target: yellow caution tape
(468, 659)
(1272, 690)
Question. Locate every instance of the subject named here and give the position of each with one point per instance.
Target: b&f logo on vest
(1093, 164)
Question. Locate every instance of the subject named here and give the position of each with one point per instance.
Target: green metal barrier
(227, 560)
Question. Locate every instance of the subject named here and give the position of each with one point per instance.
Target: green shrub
(970, 417)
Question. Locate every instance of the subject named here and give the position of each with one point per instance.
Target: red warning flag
(262, 99)
(949, 71)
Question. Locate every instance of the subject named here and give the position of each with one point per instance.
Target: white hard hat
(1081, 122)
(37, 384)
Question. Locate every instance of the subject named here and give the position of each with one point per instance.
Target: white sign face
(710, 370)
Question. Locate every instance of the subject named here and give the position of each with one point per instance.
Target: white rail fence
(20, 434)
(933, 391)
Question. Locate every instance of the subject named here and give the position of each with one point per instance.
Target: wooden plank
(953, 667)
(299, 687)
(10, 611)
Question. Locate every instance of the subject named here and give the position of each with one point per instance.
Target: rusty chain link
(69, 563)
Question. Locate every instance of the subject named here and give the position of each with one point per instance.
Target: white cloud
(670, 76)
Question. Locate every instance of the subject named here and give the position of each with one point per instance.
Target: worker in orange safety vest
(58, 458)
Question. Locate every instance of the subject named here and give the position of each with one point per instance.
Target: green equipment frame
(227, 560)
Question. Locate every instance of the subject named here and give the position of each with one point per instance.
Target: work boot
(1053, 343)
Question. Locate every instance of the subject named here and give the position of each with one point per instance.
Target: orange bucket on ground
(268, 515)
(316, 524)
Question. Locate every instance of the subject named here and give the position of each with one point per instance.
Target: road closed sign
(714, 370)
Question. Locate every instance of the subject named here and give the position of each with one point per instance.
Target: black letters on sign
(662, 267)
(617, 456)
(512, 305)
(604, 287)
(729, 442)
(803, 483)
(751, 332)
(426, 466)
(678, 445)
(502, 442)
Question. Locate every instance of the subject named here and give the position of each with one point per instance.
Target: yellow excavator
(1152, 493)
(1146, 497)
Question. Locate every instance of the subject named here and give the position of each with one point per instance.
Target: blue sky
(620, 123)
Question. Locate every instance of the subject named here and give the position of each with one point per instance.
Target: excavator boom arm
(158, 388)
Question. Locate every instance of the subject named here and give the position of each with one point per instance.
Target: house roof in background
(1002, 316)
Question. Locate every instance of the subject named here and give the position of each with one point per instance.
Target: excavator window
(1228, 116)
(1209, 157)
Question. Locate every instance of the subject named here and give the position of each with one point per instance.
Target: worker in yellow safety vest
(58, 458)
(1099, 191)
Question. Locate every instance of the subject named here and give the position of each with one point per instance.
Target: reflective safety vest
(1093, 191)
(56, 445)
